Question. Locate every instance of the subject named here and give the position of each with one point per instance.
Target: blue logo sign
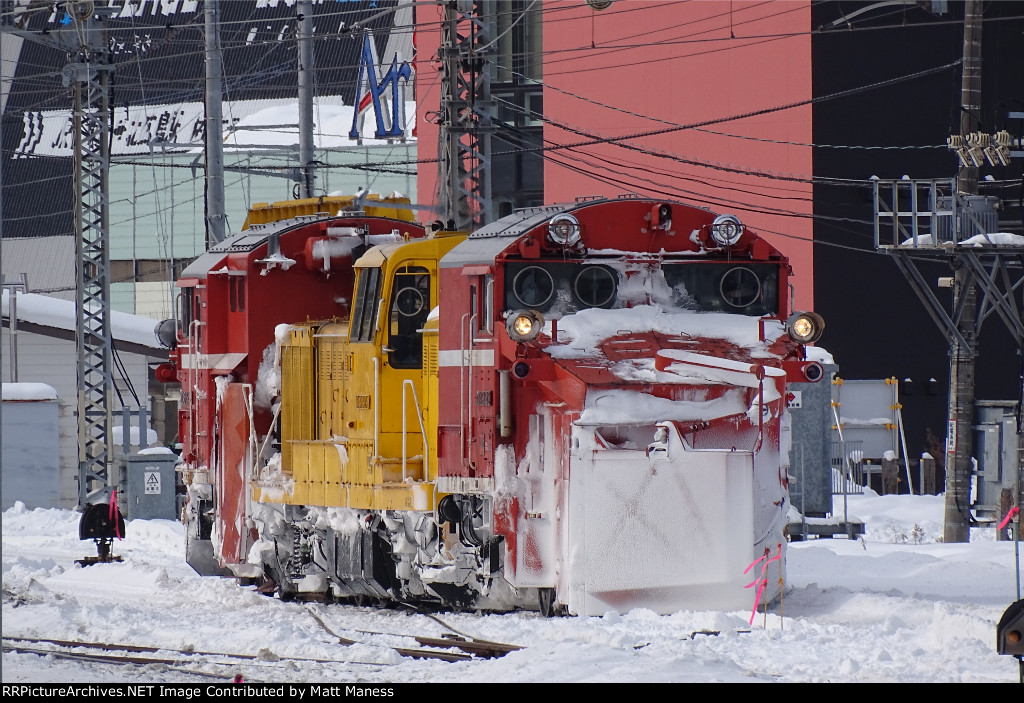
(372, 90)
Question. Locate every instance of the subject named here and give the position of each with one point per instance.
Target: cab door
(410, 296)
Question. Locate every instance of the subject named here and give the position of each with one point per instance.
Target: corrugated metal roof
(49, 263)
(518, 222)
(483, 245)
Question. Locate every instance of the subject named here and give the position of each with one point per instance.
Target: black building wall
(876, 326)
(158, 59)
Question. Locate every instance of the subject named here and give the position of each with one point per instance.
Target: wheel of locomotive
(546, 598)
(286, 589)
(277, 580)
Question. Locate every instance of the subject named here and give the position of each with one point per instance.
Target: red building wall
(644, 68)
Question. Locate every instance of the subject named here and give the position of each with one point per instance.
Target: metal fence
(847, 467)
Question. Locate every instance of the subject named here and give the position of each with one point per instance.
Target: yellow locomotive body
(357, 415)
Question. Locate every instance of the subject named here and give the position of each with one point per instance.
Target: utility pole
(214, 127)
(464, 168)
(959, 440)
(304, 12)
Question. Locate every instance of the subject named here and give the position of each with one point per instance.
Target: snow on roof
(822, 356)
(979, 240)
(28, 391)
(60, 314)
(247, 131)
(996, 238)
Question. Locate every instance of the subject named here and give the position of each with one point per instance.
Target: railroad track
(122, 655)
(430, 647)
(440, 648)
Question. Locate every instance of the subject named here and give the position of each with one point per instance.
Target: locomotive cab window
(364, 309)
(186, 308)
(742, 288)
(410, 305)
(481, 304)
(559, 288)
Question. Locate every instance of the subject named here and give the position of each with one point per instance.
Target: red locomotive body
(232, 300)
(591, 417)
(639, 425)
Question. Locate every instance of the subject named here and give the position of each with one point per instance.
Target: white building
(42, 350)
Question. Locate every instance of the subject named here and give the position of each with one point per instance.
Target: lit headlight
(805, 327)
(726, 230)
(564, 230)
(524, 325)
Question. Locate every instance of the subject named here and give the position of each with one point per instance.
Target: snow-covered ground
(895, 606)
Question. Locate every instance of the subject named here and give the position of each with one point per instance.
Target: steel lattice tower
(88, 78)
(466, 109)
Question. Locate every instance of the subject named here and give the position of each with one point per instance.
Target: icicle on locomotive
(574, 409)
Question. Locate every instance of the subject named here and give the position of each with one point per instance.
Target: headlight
(726, 230)
(805, 327)
(524, 325)
(564, 230)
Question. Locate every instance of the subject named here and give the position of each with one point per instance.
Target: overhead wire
(418, 25)
(593, 139)
(596, 140)
(421, 26)
(766, 140)
(603, 173)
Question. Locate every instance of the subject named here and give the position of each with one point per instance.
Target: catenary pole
(214, 130)
(304, 15)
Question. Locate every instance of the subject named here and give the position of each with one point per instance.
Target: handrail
(270, 434)
(247, 395)
(376, 407)
(469, 393)
(906, 459)
(193, 373)
(463, 406)
(408, 383)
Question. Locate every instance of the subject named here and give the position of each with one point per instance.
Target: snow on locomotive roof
(474, 251)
